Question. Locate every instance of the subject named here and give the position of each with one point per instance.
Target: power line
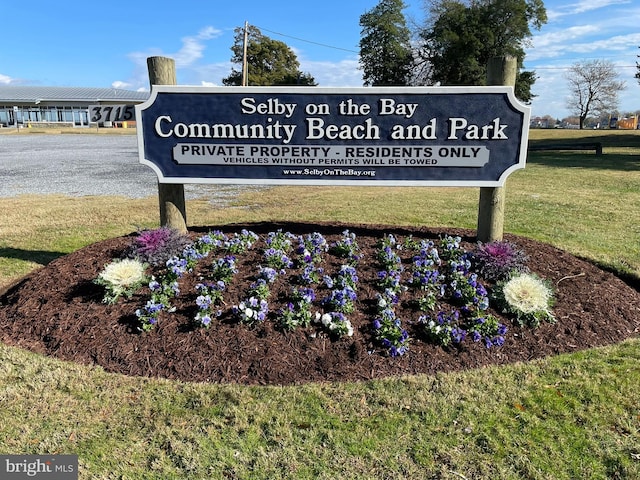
(575, 59)
(356, 52)
(569, 68)
(306, 41)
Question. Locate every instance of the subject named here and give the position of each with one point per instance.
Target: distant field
(609, 138)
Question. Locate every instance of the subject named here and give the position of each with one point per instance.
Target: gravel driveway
(86, 164)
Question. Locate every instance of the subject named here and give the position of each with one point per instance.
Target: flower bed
(58, 310)
(416, 289)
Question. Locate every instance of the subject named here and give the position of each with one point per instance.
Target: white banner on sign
(322, 156)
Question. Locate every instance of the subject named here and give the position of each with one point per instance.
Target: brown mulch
(57, 311)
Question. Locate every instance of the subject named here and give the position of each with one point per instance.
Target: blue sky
(105, 44)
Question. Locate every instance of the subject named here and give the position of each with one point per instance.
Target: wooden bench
(597, 146)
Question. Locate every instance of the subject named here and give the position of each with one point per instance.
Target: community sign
(414, 136)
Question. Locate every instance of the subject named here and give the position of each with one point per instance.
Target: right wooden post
(500, 71)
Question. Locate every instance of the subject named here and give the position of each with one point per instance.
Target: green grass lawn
(567, 417)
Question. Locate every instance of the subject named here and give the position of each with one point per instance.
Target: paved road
(87, 164)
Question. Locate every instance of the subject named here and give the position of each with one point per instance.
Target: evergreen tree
(461, 37)
(270, 62)
(386, 56)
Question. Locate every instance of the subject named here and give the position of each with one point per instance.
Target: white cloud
(209, 74)
(551, 90)
(342, 73)
(581, 7)
(185, 58)
(546, 40)
(616, 43)
(193, 46)
(119, 84)
(345, 73)
(572, 41)
(5, 79)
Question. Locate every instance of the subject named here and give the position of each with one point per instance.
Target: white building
(59, 106)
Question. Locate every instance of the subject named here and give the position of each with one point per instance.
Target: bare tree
(594, 88)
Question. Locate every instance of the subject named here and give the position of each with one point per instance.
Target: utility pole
(245, 68)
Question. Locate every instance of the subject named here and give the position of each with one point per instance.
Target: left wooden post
(173, 210)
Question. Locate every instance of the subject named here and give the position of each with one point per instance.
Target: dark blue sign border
(413, 136)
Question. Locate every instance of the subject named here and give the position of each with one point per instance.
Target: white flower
(527, 293)
(121, 277)
(326, 320)
(121, 274)
(349, 328)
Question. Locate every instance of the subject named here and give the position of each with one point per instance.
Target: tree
(460, 37)
(386, 56)
(594, 88)
(270, 62)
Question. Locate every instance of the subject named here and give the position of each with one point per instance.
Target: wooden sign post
(173, 211)
(500, 71)
(392, 136)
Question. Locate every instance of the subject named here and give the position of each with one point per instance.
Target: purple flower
(177, 266)
(152, 307)
(203, 301)
(328, 281)
(191, 254)
(269, 274)
(175, 288)
(496, 260)
(458, 335)
(308, 295)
